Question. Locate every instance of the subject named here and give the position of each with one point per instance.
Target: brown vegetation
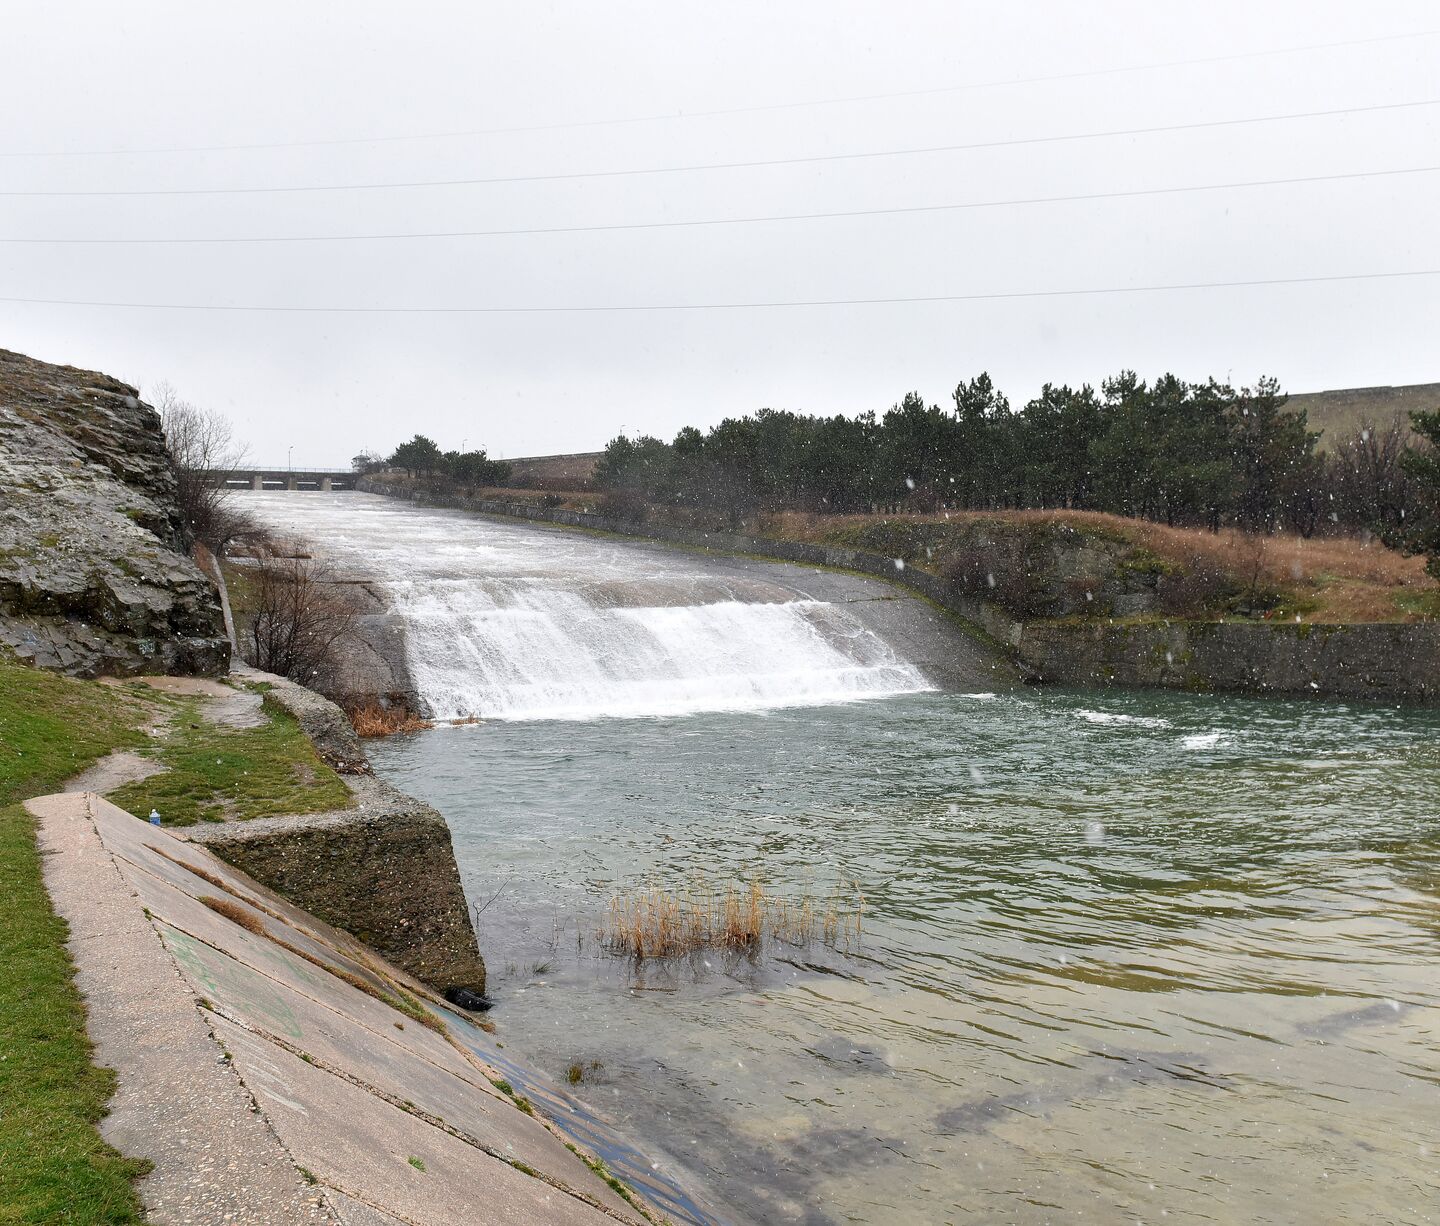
(655, 923)
(235, 912)
(1324, 579)
(370, 719)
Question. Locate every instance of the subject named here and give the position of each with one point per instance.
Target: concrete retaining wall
(1397, 662)
(383, 871)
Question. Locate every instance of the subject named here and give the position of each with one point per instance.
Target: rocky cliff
(93, 574)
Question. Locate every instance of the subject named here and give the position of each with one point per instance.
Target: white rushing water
(504, 621)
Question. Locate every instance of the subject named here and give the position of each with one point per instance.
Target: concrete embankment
(277, 1071)
(382, 868)
(1397, 662)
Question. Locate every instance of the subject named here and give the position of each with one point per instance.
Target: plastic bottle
(154, 817)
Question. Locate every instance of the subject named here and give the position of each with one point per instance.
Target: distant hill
(1340, 413)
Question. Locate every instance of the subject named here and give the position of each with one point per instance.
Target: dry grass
(373, 720)
(1327, 579)
(236, 913)
(651, 922)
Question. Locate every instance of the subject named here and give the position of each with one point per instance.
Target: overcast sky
(707, 83)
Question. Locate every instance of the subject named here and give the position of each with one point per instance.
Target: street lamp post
(290, 451)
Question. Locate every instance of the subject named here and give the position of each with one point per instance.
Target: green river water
(1125, 958)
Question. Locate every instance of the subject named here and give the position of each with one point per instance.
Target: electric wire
(1333, 278)
(812, 159)
(727, 111)
(1128, 193)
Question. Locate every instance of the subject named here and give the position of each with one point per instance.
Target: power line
(727, 111)
(737, 221)
(728, 306)
(793, 161)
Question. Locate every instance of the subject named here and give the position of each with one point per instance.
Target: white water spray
(509, 622)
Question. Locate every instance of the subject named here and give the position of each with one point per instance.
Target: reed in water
(651, 922)
(372, 720)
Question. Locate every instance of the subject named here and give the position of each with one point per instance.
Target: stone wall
(94, 574)
(1387, 662)
(1391, 662)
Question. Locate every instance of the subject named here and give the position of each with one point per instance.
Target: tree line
(422, 457)
(1199, 454)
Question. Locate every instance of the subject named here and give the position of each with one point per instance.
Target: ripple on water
(1105, 969)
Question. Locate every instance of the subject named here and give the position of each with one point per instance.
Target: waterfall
(503, 621)
(530, 649)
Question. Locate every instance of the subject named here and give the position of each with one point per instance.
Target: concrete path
(113, 771)
(262, 1065)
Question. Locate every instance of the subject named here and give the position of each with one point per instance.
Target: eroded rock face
(92, 575)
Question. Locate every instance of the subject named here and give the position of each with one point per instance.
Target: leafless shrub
(1369, 487)
(203, 449)
(296, 621)
(1195, 583)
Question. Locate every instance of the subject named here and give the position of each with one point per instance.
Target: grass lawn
(218, 773)
(54, 1167)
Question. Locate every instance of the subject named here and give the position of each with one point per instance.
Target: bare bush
(296, 621)
(1369, 487)
(203, 449)
(1194, 584)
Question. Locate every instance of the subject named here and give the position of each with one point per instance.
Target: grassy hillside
(1208, 574)
(54, 1166)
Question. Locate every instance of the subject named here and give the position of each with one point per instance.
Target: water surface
(1124, 958)
(1134, 957)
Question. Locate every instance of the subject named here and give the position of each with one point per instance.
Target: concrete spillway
(498, 620)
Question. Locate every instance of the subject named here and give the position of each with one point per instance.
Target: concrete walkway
(262, 1067)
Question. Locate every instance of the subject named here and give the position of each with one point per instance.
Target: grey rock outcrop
(93, 577)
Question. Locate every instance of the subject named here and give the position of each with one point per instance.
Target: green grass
(1424, 603)
(53, 727)
(216, 772)
(54, 1166)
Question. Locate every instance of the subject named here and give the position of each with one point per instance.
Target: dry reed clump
(372, 720)
(651, 922)
(236, 913)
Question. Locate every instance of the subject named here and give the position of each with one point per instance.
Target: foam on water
(1116, 718)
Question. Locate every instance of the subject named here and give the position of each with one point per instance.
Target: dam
(1123, 955)
(494, 620)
